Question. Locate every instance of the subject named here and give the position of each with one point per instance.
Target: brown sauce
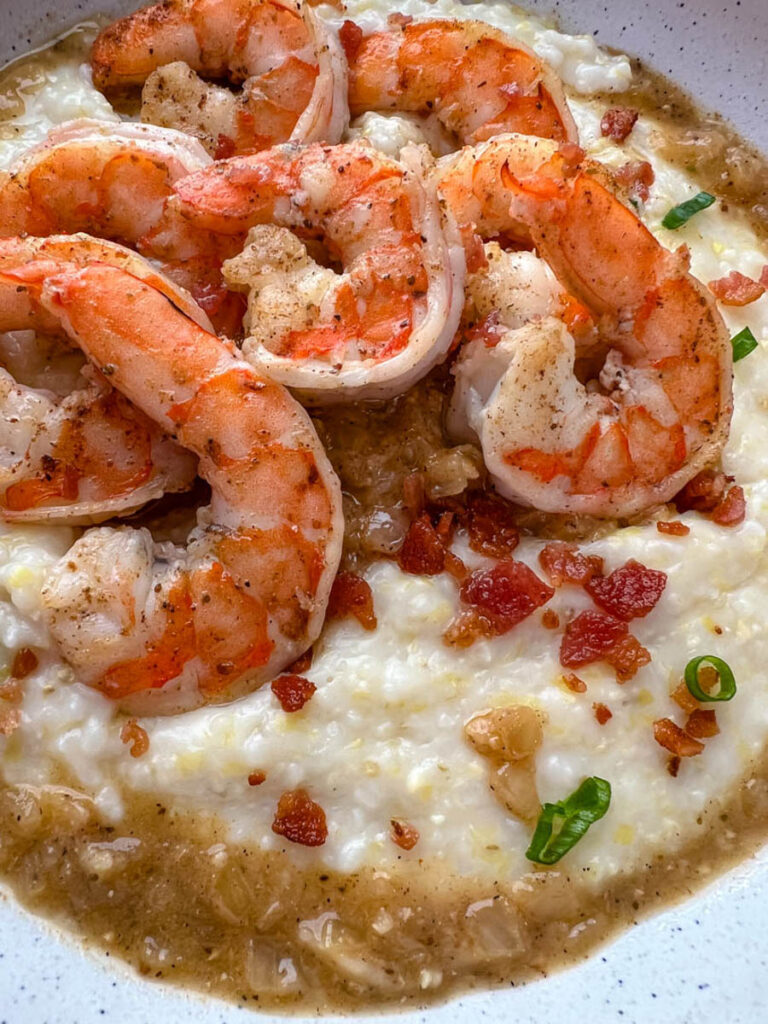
(170, 895)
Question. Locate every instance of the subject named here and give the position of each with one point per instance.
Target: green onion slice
(743, 343)
(727, 688)
(681, 214)
(561, 825)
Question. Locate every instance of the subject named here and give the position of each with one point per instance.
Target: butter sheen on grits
(382, 737)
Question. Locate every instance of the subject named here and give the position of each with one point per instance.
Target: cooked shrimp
(476, 80)
(113, 181)
(292, 71)
(162, 628)
(87, 455)
(649, 342)
(388, 317)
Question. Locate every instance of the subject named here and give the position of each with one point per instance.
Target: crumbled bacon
(351, 39)
(135, 735)
(637, 176)
(550, 619)
(674, 739)
(617, 123)
(575, 684)
(24, 663)
(12, 690)
(627, 657)
(293, 692)
(302, 664)
(423, 551)
(702, 724)
(402, 834)
(299, 819)
(10, 720)
(256, 778)
(573, 155)
(589, 637)
(352, 595)
(491, 526)
(673, 528)
(414, 494)
(673, 766)
(684, 699)
(703, 493)
(225, 147)
(469, 625)
(732, 509)
(505, 594)
(736, 289)
(602, 713)
(630, 592)
(564, 563)
(398, 20)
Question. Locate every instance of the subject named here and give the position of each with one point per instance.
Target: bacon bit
(474, 250)
(630, 592)
(10, 720)
(414, 494)
(575, 684)
(674, 528)
(24, 663)
(550, 619)
(674, 739)
(505, 594)
(132, 733)
(627, 657)
(351, 39)
(12, 690)
(399, 20)
(225, 147)
(684, 699)
(469, 625)
(732, 509)
(491, 526)
(423, 552)
(563, 563)
(702, 494)
(602, 713)
(572, 155)
(589, 637)
(293, 692)
(352, 595)
(637, 176)
(489, 330)
(402, 834)
(301, 665)
(702, 724)
(673, 766)
(618, 122)
(256, 778)
(736, 289)
(299, 819)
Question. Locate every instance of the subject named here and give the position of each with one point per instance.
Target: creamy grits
(382, 738)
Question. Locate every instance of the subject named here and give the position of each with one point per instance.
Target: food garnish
(682, 213)
(743, 343)
(562, 825)
(723, 675)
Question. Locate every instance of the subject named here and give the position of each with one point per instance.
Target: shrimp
(160, 629)
(292, 71)
(87, 455)
(388, 317)
(474, 79)
(614, 309)
(114, 181)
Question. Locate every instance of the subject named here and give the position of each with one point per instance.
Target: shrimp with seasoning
(113, 181)
(159, 628)
(86, 455)
(618, 390)
(372, 329)
(475, 80)
(291, 69)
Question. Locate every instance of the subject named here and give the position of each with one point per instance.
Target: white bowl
(702, 961)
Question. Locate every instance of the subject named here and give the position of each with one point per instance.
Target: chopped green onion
(743, 343)
(681, 214)
(562, 825)
(727, 688)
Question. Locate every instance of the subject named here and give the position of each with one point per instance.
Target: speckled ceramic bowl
(702, 961)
